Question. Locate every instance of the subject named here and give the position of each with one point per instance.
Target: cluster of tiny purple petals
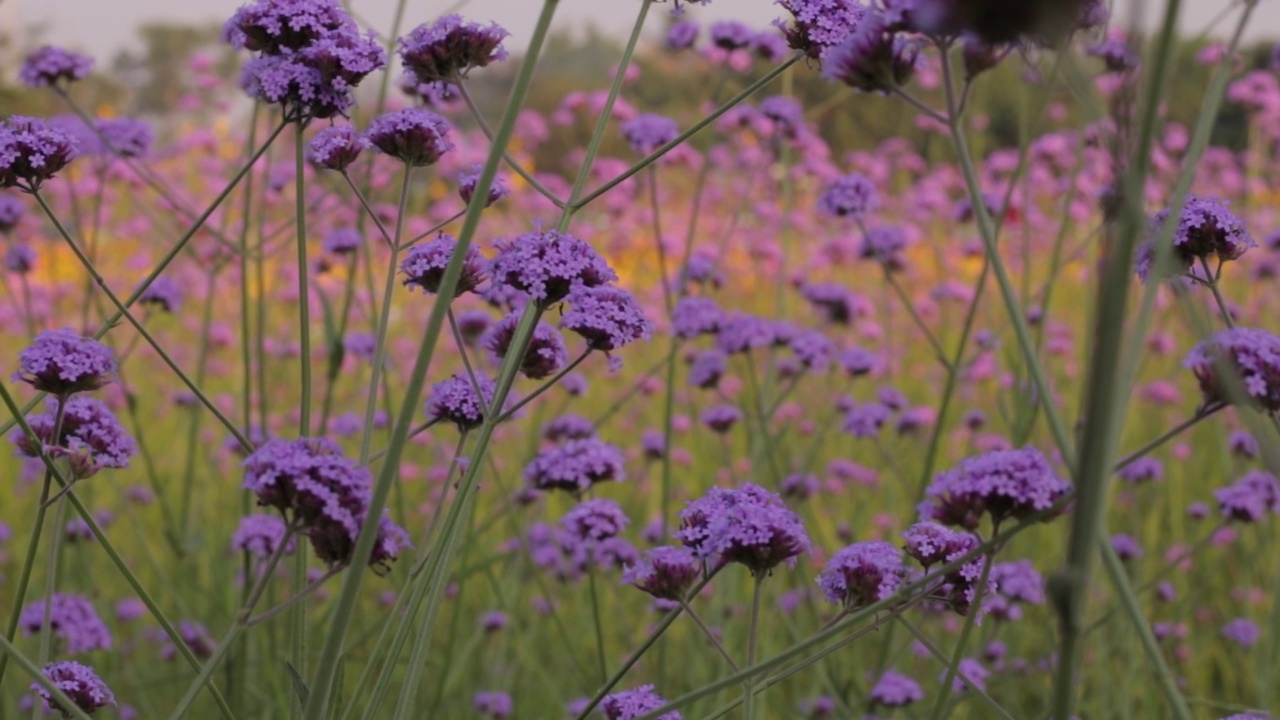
(682, 34)
(493, 704)
(445, 50)
(740, 333)
(91, 437)
(425, 264)
(851, 195)
(260, 536)
(595, 520)
(32, 151)
(1004, 483)
(49, 65)
(62, 362)
(545, 355)
(11, 211)
(666, 572)
(1252, 354)
(126, 137)
(454, 400)
(548, 264)
(749, 525)
(72, 619)
(336, 147)
(79, 683)
(299, 88)
(635, 703)
(467, 186)
(1206, 228)
(20, 258)
(839, 304)
(342, 241)
(930, 543)
(647, 132)
(896, 690)
(694, 316)
(575, 466)
(1250, 498)
(819, 25)
(416, 136)
(278, 26)
(730, 35)
(568, 427)
(607, 317)
(164, 294)
(872, 58)
(862, 574)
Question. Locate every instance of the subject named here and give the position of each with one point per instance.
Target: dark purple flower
(336, 147)
(896, 690)
(195, 636)
(260, 536)
(721, 418)
(32, 151)
(299, 88)
(11, 211)
(91, 439)
(126, 137)
(872, 58)
(416, 136)
(277, 26)
(838, 304)
(647, 132)
(472, 325)
(1002, 21)
(342, 241)
(388, 544)
(885, 244)
(425, 265)
(1004, 483)
(49, 65)
(467, 186)
(315, 486)
(454, 400)
(694, 316)
(751, 526)
(786, 114)
(865, 420)
(1252, 355)
(1243, 632)
(665, 572)
(569, 427)
(1206, 227)
(345, 57)
(862, 574)
(1117, 55)
(595, 520)
(819, 25)
(1250, 498)
(62, 362)
(770, 47)
(164, 294)
(931, 544)
(1018, 582)
(813, 350)
(545, 355)
(548, 264)
(79, 683)
(1126, 547)
(449, 48)
(740, 333)
(973, 671)
(493, 704)
(707, 369)
(20, 258)
(606, 317)
(653, 444)
(1144, 469)
(73, 621)
(851, 195)
(730, 35)
(634, 703)
(575, 466)
(682, 35)
(800, 486)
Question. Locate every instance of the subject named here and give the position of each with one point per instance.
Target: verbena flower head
(851, 195)
(20, 258)
(721, 418)
(11, 211)
(1004, 483)
(416, 136)
(707, 369)
(896, 690)
(72, 620)
(467, 186)
(665, 572)
(606, 317)
(813, 350)
(786, 113)
(1144, 469)
(1117, 55)
(48, 66)
(62, 362)
(595, 520)
(575, 466)
(163, 294)
(872, 58)
(647, 132)
(819, 25)
(885, 244)
(260, 536)
(312, 483)
(838, 304)
(1206, 228)
(32, 151)
(390, 541)
(730, 35)
(862, 574)
(1250, 498)
(1003, 21)
(298, 87)
(91, 438)
(1252, 355)
(345, 57)
(545, 355)
(740, 333)
(568, 427)
(126, 137)
(493, 704)
(342, 241)
(750, 525)
(682, 34)
(277, 26)
(694, 316)
(1126, 547)
(424, 266)
(930, 543)
(1243, 632)
(548, 264)
(454, 400)
(336, 147)
(634, 703)
(79, 683)
(449, 48)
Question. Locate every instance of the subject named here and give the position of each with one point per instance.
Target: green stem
(711, 636)
(599, 626)
(304, 274)
(933, 650)
(975, 609)
(748, 698)
(509, 413)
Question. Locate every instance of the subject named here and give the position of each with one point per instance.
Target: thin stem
(599, 626)
(51, 585)
(748, 698)
(462, 351)
(434, 229)
(933, 650)
(369, 211)
(304, 273)
(295, 599)
(1136, 455)
(506, 156)
(715, 641)
(919, 105)
(1212, 282)
(975, 609)
(544, 387)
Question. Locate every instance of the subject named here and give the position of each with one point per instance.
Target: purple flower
(79, 683)
(730, 35)
(865, 420)
(11, 211)
(1254, 357)
(682, 35)
(575, 466)
(707, 369)
(548, 264)
(930, 543)
(425, 265)
(595, 520)
(813, 350)
(770, 47)
(454, 400)
(1250, 498)
(467, 186)
(472, 325)
(819, 25)
(391, 539)
(32, 151)
(721, 418)
(1117, 55)
(568, 427)
(1144, 469)
(163, 294)
(973, 671)
(786, 114)
(862, 574)
(49, 65)
(73, 621)
(20, 258)
(694, 316)
(91, 438)
(416, 136)
(872, 58)
(634, 703)
(1126, 547)
(1243, 444)
(545, 355)
(126, 137)
(447, 49)
(1018, 582)
(437, 94)
(647, 132)
(195, 636)
(1008, 20)
(342, 241)
(260, 536)
(277, 26)
(493, 704)
(885, 244)
(839, 304)
(896, 690)
(1004, 483)
(299, 88)
(1206, 227)
(751, 526)
(1242, 631)
(62, 362)
(606, 317)
(800, 486)
(851, 195)
(665, 572)
(740, 333)
(653, 444)
(336, 147)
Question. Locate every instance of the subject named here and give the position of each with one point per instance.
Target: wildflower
(48, 66)
(425, 264)
(548, 264)
(740, 333)
(1252, 355)
(575, 466)
(708, 367)
(545, 355)
(387, 545)
(494, 704)
(336, 147)
(163, 294)
(301, 90)
(261, 535)
(1008, 20)
(606, 317)
(682, 35)
(416, 136)
(730, 35)
(1126, 547)
(819, 25)
(1206, 227)
(865, 420)
(1144, 469)
(277, 26)
(786, 114)
(885, 244)
(31, 152)
(800, 486)
(1017, 583)
(72, 620)
(195, 636)
(1242, 631)
(1243, 444)
(454, 400)
(851, 195)
(931, 543)
(447, 49)
(971, 670)
(721, 418)
(1250, 498)
(896, 690)
(595, 520)
(751, 526)
(79, 683)
(634, 703)
(569, 427)
(91, 438)
(665, 572)
(647, 132)
(862, 574)
(126, 137)
(694, 316)
(467, 186)
(1117, 55)
(11, 211)
(838, 304)
(653, 444)
(1003, 483)
(472, 325)
(871, 58)
(342, 241)
(812, 349)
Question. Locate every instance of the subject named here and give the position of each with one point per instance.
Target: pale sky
(102, 27)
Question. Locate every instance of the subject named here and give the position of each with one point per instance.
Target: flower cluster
(545, 355)
(79, 683)
(851, 195)
(547, 265)
(1251, 355)
(32, 151)
(261, 535)
(607, 317)
(416, 136)
(665, 572)
(48, 66)
(819, 25)
(750, 525)
(1250, 498)
(872, 58)
(448, 48)
(1206, 228)
(634, 703)
(72, 620)
(862, 574)
(424, 266)
(647, 132)
(454, 400)
(1004, 483)
(336, 147)
(575, 466)
(90, 438)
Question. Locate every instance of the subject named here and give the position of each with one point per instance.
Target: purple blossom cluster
(1250, 498)
(862, 574)
(32, 151)
(1004, 484)
(455, 400)
(748, 525)
(72, 620)
(51, 66)
(79, 683)
(425, 264)
(1251, 356)
(635, 703)
(336, 147)
(575, 466)
(666, 572)
(607, 317)
(545, 355)
(547, 265)
(90, 438)
(447, 49)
